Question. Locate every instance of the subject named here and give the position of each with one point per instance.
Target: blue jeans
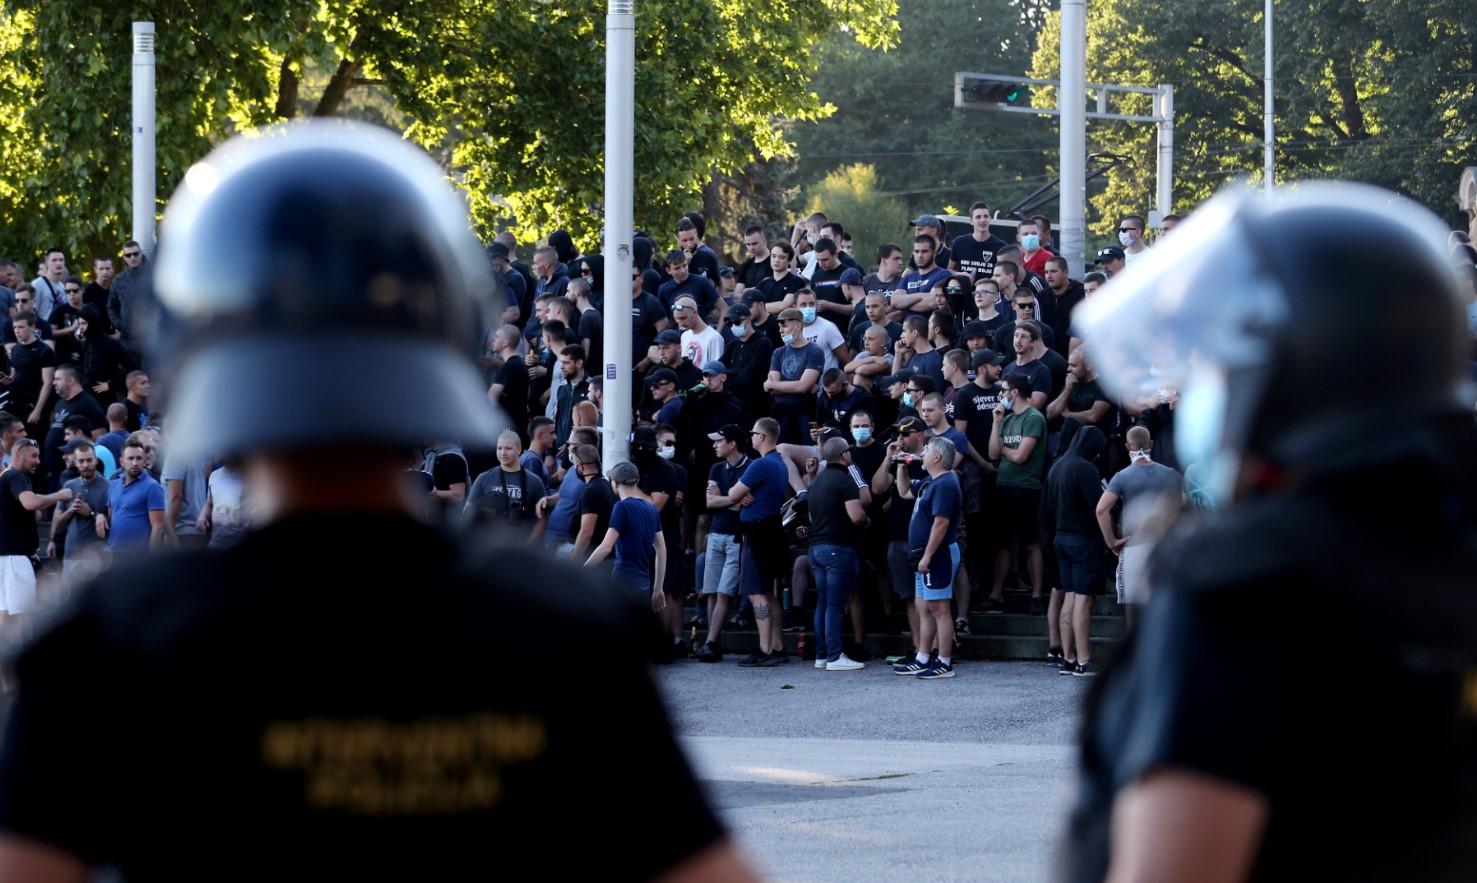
(834, 569)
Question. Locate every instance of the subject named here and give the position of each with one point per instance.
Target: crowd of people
(910, 432)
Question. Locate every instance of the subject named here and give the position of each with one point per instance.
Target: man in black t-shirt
(506, 495)
(96, 292)
(825, 281)
(63, 320)
(19, 504)
(701, 261)
(755, 268)
(510, 384)
(587, 526)
(590, 333)
(836, 514)
(32, 366)
(72, 400)
(974, 252)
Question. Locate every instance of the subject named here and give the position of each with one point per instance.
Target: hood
(1088, 443)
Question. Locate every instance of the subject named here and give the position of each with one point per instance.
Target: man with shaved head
(1152, 495)
(836, 515)
(507, 495)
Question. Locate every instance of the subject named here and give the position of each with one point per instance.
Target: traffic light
(987, 90)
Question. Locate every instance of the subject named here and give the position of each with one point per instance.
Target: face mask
(907, 400)
(667, 453)
(1126, 239)
(862, 435)
(807, 314)
(1139, 457)
(1030, 242)
(787, 339)
(741, 330)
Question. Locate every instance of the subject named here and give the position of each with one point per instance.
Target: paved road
(870, 776)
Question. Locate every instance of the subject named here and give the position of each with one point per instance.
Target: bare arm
(1059, 404)
(174, 500)
(716, 500)
(1038, 400)
(882, 478)
(1175, 825)
(996, 445)
(1104, 514)
(855, 511)
(659, 500)
(33, 501)
(31, 861)
(904, 486)
(456, 492)
(806, 383)
(606, 546)
(156, 528)
(1022, 452)
(1092, 415)
(659, 575)
(737, 493)
(587, 533)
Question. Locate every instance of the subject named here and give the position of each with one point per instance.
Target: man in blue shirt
(794, 374)
(763, 554)
(933, 538)
(914, 294)
(135, 504)
(635, 536)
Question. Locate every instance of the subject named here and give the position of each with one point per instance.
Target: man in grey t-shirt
(186, 488)
(82, 555)
(1152, 496)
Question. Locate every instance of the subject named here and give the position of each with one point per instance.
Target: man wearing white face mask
(821, 332)
(1152, 495)
(1131, 237)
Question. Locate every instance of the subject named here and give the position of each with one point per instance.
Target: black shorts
(763, 556)
(1022, 508)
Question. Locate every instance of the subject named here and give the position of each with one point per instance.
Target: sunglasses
(1025, 305)
(131, 254)
(953, 289)
(1128, 229)
(74, 291)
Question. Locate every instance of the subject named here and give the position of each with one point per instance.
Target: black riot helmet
(318, 285)
(1285, 325)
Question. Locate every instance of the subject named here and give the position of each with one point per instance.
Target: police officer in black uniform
(345, 694)
(1300, 699)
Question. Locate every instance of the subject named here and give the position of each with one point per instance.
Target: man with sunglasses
(1025, 307)
(121, 300)
(65, 331)
(1131, 237)
(25, 301)
(19, 504)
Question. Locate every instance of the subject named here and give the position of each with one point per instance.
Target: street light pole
(620, 149)
(1268, 126)
(1072, 108)
(143, 135)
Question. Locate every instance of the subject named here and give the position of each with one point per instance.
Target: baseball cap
(715, 367)
(1111, 253)
(497, 250)
(725, 272)
(975, 328)
(669, 336)
(908, 424)
(661, 375)
(753, 296)
(851, 276)
(928, 221)
(792, 315)
(900, 377)
(74, 444)
(738, 313)
(730, 432)
(643, 436)
(986, 357)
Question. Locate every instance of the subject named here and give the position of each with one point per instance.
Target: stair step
(970, 646)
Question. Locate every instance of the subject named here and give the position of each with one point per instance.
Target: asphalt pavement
(871, 776)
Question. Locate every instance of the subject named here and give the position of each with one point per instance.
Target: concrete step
(1016, 624)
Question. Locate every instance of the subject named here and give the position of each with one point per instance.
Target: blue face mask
(741, 330)
(808, 314)
(862, 434)
(1030, 242)
(787, 339)
(907, 400)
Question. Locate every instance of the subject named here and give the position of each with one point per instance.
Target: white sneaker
(845, 664)
(820, 662)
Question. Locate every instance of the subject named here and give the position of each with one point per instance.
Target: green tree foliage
(850, 195)
(895, 112)
(509, 94)
(1377, 92)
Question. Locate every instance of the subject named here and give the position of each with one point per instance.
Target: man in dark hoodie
(563, 245)
(105, 362)
(1069, 507)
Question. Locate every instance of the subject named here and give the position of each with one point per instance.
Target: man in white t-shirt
(1131, 237)
(821, 332)
(701, 342)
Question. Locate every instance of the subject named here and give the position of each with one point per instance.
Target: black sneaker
(1054, 657)
(773, 659)
(753, 660)
(794, 622)
(854, 651)
(961, 626)
(1086, 670)
(1037, 607)
(780, 657)
(911, 667)
(1068, 667)
(709, 653)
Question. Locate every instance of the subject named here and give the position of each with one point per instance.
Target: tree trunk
(1348, 92)
(287, 84)
(338, 86)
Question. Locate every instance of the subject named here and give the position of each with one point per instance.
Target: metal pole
(1164, 192)
(143, 135)
(1268, 126)
(1072, 107)
(620, 149)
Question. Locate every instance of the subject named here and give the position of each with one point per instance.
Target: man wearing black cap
(930, 225)
(668, 354)
(976, 337)
(720, 582)
(764, 322)
(519, 299)
(747, 359)
(663, 404)
(1111, 260)
(367, 742)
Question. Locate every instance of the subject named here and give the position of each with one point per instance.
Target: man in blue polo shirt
(933, 539)
(762, 554)
(914, 294)
(135, 504)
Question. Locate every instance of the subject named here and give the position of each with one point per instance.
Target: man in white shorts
(1152, 496)
(19, 503)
